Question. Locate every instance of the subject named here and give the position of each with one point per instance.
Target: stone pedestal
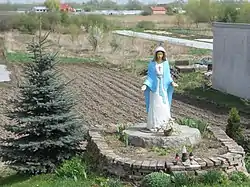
(138, 136)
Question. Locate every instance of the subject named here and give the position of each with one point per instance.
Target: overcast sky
(79, 1)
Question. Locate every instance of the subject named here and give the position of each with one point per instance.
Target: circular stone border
(107, 160)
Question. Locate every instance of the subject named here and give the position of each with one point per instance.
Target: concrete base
(138, 136)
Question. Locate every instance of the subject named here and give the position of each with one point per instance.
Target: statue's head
(160, 54)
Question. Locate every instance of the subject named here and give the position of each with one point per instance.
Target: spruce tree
(234, 128)
(45, 128)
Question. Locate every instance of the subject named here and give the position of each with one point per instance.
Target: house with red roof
(66, 8)
(158, 10)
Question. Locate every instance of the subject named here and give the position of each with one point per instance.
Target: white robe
(159, 112)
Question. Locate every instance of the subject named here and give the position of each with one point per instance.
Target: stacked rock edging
(125, 167)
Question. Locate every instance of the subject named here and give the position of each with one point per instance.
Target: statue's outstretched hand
(174, 84)
(144, 87)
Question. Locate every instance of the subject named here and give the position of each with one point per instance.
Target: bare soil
(208, 147)
(162, 21)
(106, 97)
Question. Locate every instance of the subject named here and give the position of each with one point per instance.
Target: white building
(39, 9)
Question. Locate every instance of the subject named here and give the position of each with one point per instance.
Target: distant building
(158, 10)
(66, 8)
(39, 9)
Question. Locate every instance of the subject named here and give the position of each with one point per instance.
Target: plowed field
(105, 96)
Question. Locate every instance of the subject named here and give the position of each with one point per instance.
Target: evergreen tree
(234, 128)
(45, 128)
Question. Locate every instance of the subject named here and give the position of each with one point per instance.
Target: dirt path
(105, 96)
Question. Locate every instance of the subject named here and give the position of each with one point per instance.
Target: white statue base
(140, 136)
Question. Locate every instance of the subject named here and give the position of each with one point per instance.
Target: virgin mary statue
(158, 90)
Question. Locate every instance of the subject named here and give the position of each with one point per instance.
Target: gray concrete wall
(231, 59)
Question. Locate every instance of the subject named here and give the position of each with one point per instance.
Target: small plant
(234, 128)
(184, 180)
(114, 44)
(74, 169)
(202, 126)
(146, 25)
(180, 179)
(122, 136)
(214, 177)
(74, 31)
(179, 19)
(157, 179)
(247, 162)
(95, 36)
(161, 151)
(103, 182)
(114, 183)
(238, 177)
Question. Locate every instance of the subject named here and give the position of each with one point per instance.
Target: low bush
(202, 126)
(247, 162)
(74, 169)
(29, 23)
(234, 128)
(181, 180)
(147, 25)
(238, 177)
(214, 177)
(157, 179)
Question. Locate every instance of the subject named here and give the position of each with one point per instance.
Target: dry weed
(113, 48)
(2, 49)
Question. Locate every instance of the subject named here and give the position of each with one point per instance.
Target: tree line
(225, 11)
(87, 6)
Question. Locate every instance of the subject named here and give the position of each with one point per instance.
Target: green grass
(189, 34)
(25, 57)
(51, 180)
(44, 181)
(199, 52)
(191, 84)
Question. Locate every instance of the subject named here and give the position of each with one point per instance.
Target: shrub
(238, 177)
(50, 20)
(214, 177)
(156, 179)
(6, 23)
(234, 128)
(146, 25)
(202, 126)
(74, 169)
(227, 13)
(95, 36)
(146, 13)
(96, 20)
(114, 183)
(26, 23)
(74, 32)
(114, 44)
(181, 179)
(247, 162)
(29, 23)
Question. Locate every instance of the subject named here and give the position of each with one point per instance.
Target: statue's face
(159, 55)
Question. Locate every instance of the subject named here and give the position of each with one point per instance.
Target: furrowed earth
(106, 97)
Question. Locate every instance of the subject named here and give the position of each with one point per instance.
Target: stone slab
(137, 136)
(4, 73)
(185, 69)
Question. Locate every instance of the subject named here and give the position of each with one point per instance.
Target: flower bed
(125, 167)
